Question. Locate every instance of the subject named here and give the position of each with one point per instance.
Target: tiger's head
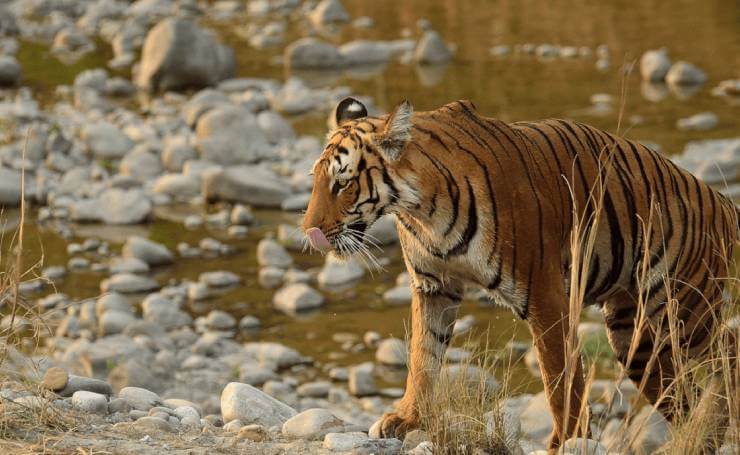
(357, 178)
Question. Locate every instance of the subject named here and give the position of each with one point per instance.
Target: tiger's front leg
(434, 309)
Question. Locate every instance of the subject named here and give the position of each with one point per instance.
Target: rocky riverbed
(163, 150)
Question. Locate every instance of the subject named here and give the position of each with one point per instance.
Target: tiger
(482, 202)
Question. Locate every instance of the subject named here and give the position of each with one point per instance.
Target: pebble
(219, 279)
(233, 426)
(271, 277)
(77, 383)
(146, 250)
(140, 399)
(337, 272)
(297, 297)
(344, 442)
(241, 215)
(251, 405)
(313, 424)
(153, 424)
(392, 351)
(272, 254)
(399, 295)
(580, 446)
(128, 283)
(684, 73)
(698, 122)
(361, 380)
(654, 65)
(220, 320)
(249, 323)
(95, 403)
(377, 446)
(253, 432)
(317, 389)
(55, 378)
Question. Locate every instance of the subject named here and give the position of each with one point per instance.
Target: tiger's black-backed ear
(397, 131)
(349, 109)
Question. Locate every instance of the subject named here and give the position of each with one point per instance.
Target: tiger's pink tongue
(318, 240)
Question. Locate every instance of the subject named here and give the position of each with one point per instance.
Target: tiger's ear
(397, 132)
(349, 109)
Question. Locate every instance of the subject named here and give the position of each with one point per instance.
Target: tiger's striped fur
(481, 201)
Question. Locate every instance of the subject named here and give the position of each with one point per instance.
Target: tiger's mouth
(318, 240)
(343, 242)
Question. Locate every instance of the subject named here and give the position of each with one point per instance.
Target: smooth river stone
(55, 378)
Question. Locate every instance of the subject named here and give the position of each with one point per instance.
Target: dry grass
(20, 336)
(467, 410)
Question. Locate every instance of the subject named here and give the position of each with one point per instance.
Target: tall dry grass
(21, 334)
(467, 409)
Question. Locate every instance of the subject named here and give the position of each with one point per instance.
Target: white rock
(311, 53)
(141, 399)
(364, 52)
(361, 380)
(249, 184)
(328, 12)
(398, 295)
(684, 73)
(392, 351)
(105, 140)
(463, 325)
(140, 164)
(536, 420)
(270, 353)
(432, 49)
(10, 187)
(178, 186)
(249, 322)
(146, 250)
(233, 426)
(220, 320)
(127, 265)
(272, 254)
(316, 389)
(344, 442)
(114, 321)
(649, 430)
(178, 54)
(313, 424)
(229, 135)
(654, 65)
(10, 70)
(128, 283)
(250, 405)
(297, 297)
(337, 272)
(241, 215)
(219, 279)
(580, 446)
(698, 122)
(90, 402)
(275, 127)
(176, 153)
(116, 206)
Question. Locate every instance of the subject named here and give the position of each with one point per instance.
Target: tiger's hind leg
(666, 350)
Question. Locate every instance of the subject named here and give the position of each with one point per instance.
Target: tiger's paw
(393, 425)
